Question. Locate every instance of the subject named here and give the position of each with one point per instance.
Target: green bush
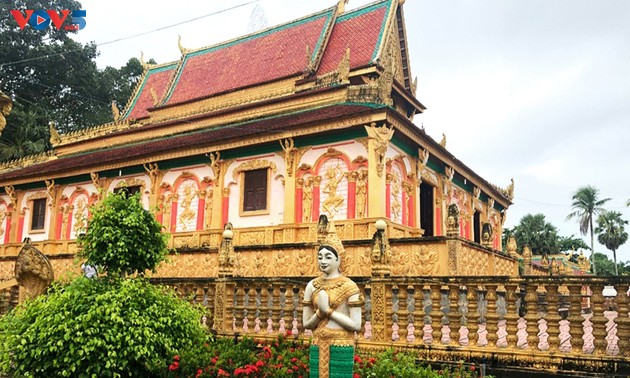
(99, 328)
(122, 237)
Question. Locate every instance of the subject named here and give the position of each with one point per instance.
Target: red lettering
(21, 18)
(56, 18)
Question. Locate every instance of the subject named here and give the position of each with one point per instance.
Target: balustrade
(547, 316)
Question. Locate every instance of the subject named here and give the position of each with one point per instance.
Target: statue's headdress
(327, 237)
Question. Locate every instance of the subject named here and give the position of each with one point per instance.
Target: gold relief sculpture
(307, 199)
(10, 190)
(416, 260)
(288, 146)
(208, 208)
(80, 215)
(381, 135)
(361, 195)
(396, 194)
(215, 159)
(153, 171)
(187, 214)
(333, 201)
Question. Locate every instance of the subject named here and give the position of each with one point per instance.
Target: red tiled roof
(157, 78)
(191, 140)
(273, 54)
(361, 31)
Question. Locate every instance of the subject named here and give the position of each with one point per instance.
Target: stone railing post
(623, 322)
(512, 315)
(531, 305)
(575, 317)
(379, 310)
(492, 316)
(553, 319)
(598, 319)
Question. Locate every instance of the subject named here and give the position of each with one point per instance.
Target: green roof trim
(150, 72)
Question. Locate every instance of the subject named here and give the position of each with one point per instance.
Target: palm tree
(610, 232)
(586, 204)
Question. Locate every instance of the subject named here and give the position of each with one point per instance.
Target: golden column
(378, 141)
(290, 161)
(218, 167)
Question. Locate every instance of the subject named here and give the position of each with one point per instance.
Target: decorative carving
(115, 112)
(452, 220)
(10, 190)
(187, 214)
(381, 136)
(50, 190)
(252, 165)
(307, 199)
(288, 146)
(334, 200)
(227, 258)
(381, 255)
(80, 216)
(153, 171)
(512, 247)
(55, 138)
(443, 141)
(486, 234)
(33, 270)
(361, 193)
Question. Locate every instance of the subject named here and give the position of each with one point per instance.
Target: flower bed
(287, 357)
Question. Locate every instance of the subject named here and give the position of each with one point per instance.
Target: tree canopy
(53, 78)
(611, 232)
(586, 206)
(122, 237)
(534, 230)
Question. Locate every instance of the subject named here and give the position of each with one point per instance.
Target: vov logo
(41, 19)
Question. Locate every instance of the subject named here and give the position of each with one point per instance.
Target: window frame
(32, 229)
(266, 210)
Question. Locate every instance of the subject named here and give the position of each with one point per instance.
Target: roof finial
(182, 49)
(443, 141)
(142, 62)
(341, 7)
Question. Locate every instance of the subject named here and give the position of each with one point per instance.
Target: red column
(69, 226)
(404, 206)
(173, 216)
(59, 224)
(20, 228)
(388, 200)
(7, 230)
(226, 208)
(160, 214)
(299, 197)
(438, 221)
(352, 199)
(315, 212)
(411, 211)
(200, 213)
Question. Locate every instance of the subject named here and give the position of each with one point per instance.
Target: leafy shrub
(99, 327)
(122, 237)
